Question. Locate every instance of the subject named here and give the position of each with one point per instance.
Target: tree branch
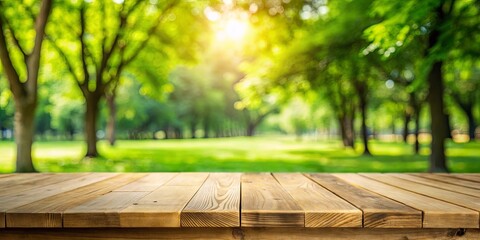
(15, 39)
(150, 32)
(86, 75)
(33, 61)
(64, 57)
(125, 61)
(104, 28)
(14, 80)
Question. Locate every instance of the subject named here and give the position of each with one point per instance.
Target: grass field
(278, 154)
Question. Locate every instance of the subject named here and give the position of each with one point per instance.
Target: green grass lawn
(259, 154)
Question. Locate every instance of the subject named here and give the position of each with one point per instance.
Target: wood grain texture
(239, 233)
(148, 183)
(465, 176)
(48, 212)
(438, 184)
(433, 192)
(23, 182)
(436, 213)
(378, 211)
(64, 182)
(103, 211)
(216, 204)
(190, 200)
(13, 184)
(449, 179)
(162, 207)
(266, 204)
(322, 208)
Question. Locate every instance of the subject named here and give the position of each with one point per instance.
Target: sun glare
(232, 30)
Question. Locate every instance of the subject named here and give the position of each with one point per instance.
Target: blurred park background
(245, 85)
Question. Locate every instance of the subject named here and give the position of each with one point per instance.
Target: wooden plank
(48, 212)
(148, 183)
(442, 185)
(468, 177)
(160, 208)
(434, 192)
(64, 183)
(239, 233)
(436, 213)
(449, 179)
(102, 211)
(266, 204)
(216, 204)
(37, 181)
(322, 208)
(378, 211)
(20, 182)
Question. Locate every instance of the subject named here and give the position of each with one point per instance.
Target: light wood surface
(163, 206)
(438, 184)
(216, 204)
(147, 183)
(469, 177)
(254, 203)
(436, 213)
(64, 183)
(378, 211)
(322, 208)
(48, 212)
(265, 203)
(434, 192)
(449, 179)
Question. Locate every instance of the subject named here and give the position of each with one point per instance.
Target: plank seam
(444, 180)
(288, 192)
(425, 194)
(363, 214)
(368, 190)
(467, 179)
(198, 189)
(240, 202)
(107, 179)
(440, 185)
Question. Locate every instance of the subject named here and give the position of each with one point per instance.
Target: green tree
(21, 68)
(463, 80)
(440, 24)
(108, 36)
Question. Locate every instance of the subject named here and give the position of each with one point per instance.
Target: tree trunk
(439, 126)
(251, 129)
(448, 131)
(91, 114)
(341, 125)
(112, 112)
(24, 92)
(363, 109)
(472, 125)
(206, 127)
(193, 129)
(24, 132)
(416, 146)
(178, 133)
(408, 117)
(346, 130)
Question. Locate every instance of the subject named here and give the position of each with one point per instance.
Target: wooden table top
(91, 200)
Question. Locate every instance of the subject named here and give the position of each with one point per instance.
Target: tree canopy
(359, 70)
